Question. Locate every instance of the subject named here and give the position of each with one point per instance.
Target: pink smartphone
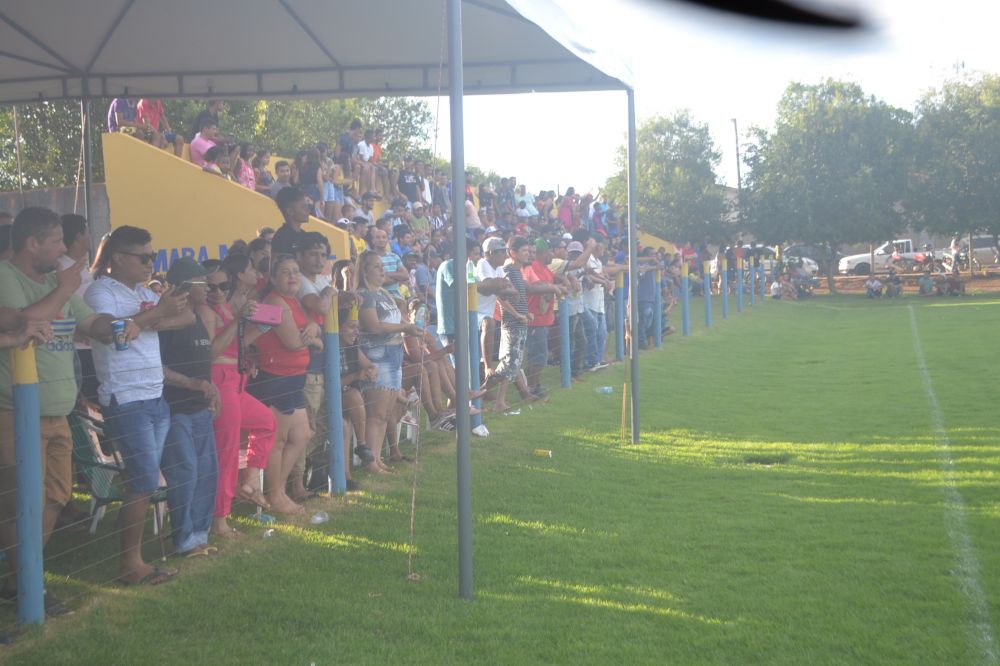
(266, 314)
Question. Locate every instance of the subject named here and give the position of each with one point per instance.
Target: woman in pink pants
(230, 298)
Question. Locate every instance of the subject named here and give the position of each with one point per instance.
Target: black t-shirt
(187, 351)
(286, 240)
(347, 144)
(409, 185)
(440, 196)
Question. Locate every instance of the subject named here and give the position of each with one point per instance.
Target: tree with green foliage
(50, 145)
(286, 126)
(833, 171)
(955, 185)
(50, 131)
(679, 195)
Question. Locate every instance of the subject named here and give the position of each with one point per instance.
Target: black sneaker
(54, 606)
(352, 486)
(364, 453)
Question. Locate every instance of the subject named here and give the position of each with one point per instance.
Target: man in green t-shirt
(32, 285)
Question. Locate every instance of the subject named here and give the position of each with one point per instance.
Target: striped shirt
(513, 273)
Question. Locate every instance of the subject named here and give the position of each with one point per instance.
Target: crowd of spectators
(187, 368)
(209, 380)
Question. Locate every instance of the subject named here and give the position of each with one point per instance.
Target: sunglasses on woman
(221, 286)
(143, 257)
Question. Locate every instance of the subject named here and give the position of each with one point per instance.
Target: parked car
(817, 253)
(885, 254)
(984, 250)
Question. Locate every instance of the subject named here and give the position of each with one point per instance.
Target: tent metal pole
(88, 162)
(463, 426)
(633, 274)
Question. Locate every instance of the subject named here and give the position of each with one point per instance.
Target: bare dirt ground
(981, 283)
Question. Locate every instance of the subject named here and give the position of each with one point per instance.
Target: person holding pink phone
(230, 299)
(283, 353)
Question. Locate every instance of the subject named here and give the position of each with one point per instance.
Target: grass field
(803, 493)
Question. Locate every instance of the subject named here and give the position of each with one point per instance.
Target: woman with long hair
(261, 175)
(243, 169)
(283, 354)
(239, 410)
(382, 329)
(311, 178)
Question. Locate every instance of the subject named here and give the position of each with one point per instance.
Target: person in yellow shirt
(359, 227)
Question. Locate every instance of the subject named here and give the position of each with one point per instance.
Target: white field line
(967, 564)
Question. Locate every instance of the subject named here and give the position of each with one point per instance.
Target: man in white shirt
(316, 293)
(595, 284)
(131, 381)
(490, 283)
(365, 151)
(76, 238)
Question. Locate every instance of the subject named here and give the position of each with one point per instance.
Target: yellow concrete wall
(649, 240)
(189, 212)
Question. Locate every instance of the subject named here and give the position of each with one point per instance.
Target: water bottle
(470, 272)
(319, 518)
(421, 319)
(604, 389)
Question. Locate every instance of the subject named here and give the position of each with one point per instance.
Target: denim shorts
(537, 346)
(139, 430)
(329, 191)
(388, 360)
(284, 393)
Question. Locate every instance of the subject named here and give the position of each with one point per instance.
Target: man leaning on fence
(32, 285)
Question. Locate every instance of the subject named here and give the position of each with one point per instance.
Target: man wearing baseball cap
(189, 461)
(491, 284)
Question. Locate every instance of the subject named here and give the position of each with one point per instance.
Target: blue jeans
(577, 343)
(646, 321)
(192, 472)
(139, 429)
(600, 340)
(590, 334)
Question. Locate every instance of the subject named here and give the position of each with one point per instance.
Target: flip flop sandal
(157, 576)
(254, 496)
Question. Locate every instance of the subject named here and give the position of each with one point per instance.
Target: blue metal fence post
(752, 268)
(658, 314)
(473, 301)
(706, 277)
(337, 473)
(620, 316)
(724, 272)
(739, 284)
(566, 354)
(28, 453)
(763, 284)
(685, 299)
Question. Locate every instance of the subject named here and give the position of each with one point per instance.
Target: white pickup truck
(860, 264)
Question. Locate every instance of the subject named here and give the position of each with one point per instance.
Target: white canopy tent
(54, 49)
(265, 49)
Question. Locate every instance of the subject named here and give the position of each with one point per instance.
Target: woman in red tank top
(227, 301)
(283, 354)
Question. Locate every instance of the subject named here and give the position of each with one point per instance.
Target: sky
(720, 68)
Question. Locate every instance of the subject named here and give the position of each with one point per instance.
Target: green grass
(786, 504)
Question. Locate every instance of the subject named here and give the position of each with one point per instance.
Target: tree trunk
(831, 267)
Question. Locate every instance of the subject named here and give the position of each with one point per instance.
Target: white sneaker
(599, 366)
(481, 431)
